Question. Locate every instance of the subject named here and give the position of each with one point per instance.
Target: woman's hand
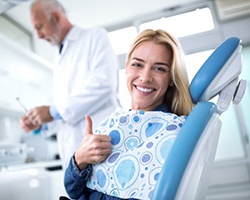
(93, 148)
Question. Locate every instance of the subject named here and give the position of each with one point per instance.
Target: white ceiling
(88, 13)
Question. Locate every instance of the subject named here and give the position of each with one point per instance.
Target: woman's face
(148, 75)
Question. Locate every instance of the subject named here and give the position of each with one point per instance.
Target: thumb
(88, 129)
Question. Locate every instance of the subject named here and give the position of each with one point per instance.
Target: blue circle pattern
(115, 137)
(141, 142)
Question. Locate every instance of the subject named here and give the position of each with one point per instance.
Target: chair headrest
(213, 74)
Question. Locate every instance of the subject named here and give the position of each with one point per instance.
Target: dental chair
(186, 171)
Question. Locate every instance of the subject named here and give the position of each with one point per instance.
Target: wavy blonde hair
(177, 97)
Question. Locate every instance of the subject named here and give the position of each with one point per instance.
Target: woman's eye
(160, 69)
(136, 65)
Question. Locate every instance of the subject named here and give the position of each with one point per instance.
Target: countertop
(49, 165)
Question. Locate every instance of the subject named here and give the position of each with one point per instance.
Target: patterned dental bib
(140, 142)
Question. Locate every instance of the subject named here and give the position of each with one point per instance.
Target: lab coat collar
(72, 35)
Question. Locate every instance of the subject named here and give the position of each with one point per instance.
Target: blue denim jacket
(75, 180)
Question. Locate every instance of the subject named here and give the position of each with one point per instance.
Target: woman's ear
(171, 83)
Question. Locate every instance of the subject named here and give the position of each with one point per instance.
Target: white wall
(25, 75)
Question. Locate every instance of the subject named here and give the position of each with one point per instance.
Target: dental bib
(140, 144)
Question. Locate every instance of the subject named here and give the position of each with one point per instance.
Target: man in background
(84, 81)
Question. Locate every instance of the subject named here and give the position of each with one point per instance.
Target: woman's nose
(146, 76)
(40, 34)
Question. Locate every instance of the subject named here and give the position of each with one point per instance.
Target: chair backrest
(189, 163)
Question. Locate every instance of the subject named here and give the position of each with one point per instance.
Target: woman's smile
(144, 89)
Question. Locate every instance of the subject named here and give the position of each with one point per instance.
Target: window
(184, 24)
(122, 38)
(195, 61)
(188, 23)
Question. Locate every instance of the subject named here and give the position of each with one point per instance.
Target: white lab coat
(85, 82)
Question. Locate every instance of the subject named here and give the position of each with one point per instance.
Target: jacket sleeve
(75, 180)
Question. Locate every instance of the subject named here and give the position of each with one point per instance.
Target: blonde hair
(177, 97)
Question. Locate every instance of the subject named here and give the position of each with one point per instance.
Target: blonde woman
(123, 157)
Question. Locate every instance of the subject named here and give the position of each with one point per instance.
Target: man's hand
(27, 125)
(40, 115)
(35, 118)
(93, 148)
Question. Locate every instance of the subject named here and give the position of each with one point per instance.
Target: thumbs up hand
(93, 148)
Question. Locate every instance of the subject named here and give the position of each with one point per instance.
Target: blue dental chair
(187, 168)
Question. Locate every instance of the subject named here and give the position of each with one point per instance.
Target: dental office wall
(236, 146)
(246, 100)
(26, 76)
(23, 75)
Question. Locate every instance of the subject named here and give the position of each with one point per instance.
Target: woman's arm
(75, 180)
(92, 150)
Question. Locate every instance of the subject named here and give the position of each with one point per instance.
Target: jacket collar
(73, 34)
(163, 108)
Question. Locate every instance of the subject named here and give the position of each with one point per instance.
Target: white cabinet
(32, 181)
(25, 184)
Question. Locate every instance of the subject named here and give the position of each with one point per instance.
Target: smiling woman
(124, 155)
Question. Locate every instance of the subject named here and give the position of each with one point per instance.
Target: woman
(114, 162)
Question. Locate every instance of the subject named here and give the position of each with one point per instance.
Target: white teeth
(144, 89)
